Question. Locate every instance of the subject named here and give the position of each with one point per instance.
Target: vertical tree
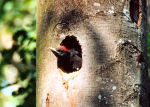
(112, 35)
(148, 12)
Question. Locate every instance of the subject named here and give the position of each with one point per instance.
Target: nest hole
(75, 54)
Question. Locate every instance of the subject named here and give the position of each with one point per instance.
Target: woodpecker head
(69, 54)
(59, 51)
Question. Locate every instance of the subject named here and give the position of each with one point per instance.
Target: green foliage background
(17, 53)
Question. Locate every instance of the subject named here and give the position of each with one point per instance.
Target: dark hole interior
(72, 59)
(134, 10)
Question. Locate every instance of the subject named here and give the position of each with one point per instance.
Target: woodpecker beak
(55, 52)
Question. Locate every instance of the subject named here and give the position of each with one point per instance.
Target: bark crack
(67, 77)
(47, 100)
(65, 80)
(136, 12)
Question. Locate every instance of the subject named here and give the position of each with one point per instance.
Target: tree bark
(113, 41)
(148, 12)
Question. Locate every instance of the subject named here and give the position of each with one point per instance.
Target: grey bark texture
(113, 39)
(148, 11)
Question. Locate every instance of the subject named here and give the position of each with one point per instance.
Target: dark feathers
(69, 55)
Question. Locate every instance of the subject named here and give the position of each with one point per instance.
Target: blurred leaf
(8, 6)
(17, 20)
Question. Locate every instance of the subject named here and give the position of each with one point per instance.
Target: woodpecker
(69, 56)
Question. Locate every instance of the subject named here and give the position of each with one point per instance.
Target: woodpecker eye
(62, 52)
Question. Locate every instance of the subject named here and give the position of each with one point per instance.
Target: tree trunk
(148, 12)
(113, 41)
